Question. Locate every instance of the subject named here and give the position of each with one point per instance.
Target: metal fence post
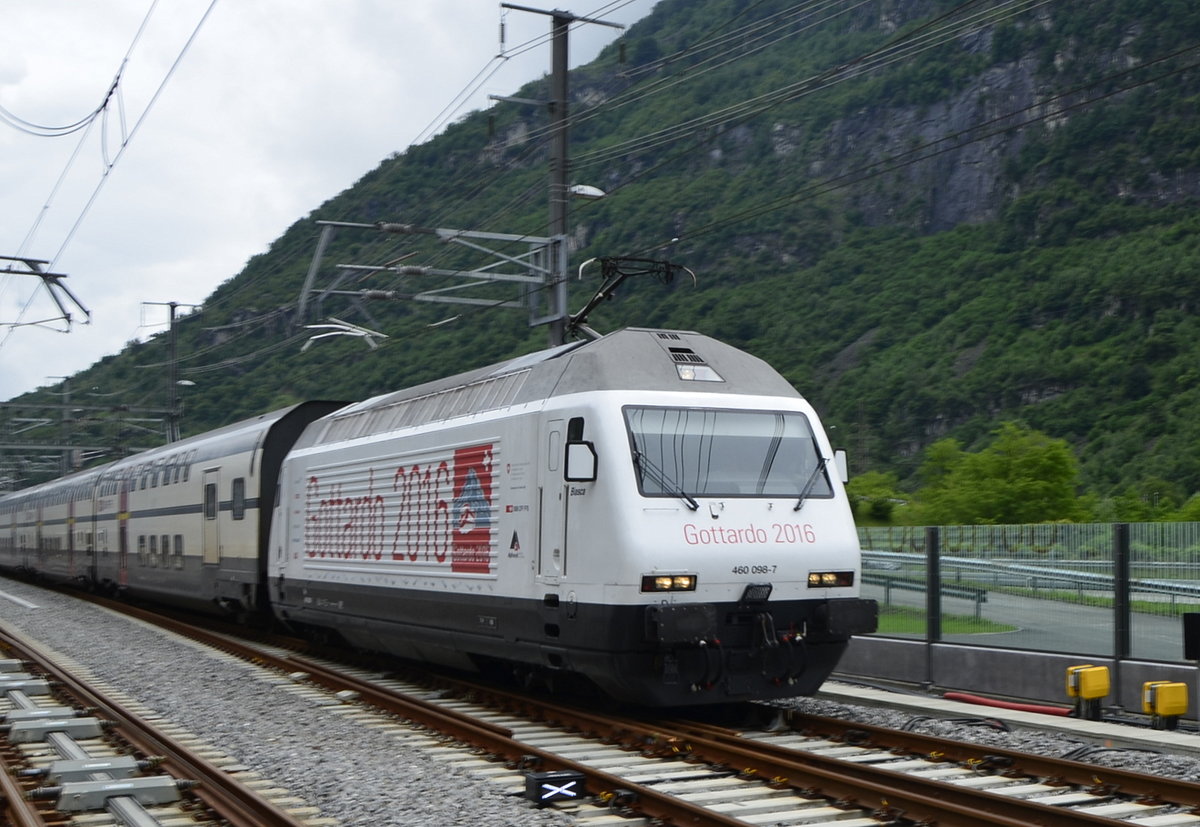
(933, 597)
(1122, 642)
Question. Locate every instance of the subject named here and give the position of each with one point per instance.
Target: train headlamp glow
(698, 373)
(668, 582)
(830, 579)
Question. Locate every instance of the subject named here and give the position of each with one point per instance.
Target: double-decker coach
(184, 522)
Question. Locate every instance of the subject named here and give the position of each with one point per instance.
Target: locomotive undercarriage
(707, 653)
(658, 655)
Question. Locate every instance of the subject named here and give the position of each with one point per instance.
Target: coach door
(212, 508)
(552, 546)
(94, 536)
(71, 533)
(123, 532)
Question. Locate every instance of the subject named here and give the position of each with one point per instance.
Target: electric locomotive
(653, 510)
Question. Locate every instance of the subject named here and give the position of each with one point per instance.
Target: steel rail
(1113, 780)
(489, 738)
(413, 709)
(979, 806)
(14, 808)
(884, 793)
(233, 801)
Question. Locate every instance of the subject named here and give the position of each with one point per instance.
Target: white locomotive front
(654, 510)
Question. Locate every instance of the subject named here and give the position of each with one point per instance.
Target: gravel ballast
(354, 774)
(984, 725)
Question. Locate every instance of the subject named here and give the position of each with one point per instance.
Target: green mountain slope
(932, 217)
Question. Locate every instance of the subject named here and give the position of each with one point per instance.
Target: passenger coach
(181, 522)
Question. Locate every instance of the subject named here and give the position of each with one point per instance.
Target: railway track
(805, 771)
(73, 747)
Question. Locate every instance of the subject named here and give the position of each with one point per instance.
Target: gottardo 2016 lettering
(431, 512)
(776, 533)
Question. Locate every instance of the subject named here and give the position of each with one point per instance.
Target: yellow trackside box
(1164, 698)
(1087, 682)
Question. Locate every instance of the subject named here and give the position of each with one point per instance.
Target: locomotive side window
(239, 498)
(580, 464)
(724, 453)
(575, 429)
(210, 501)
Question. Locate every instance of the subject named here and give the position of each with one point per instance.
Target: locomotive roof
(628, 359)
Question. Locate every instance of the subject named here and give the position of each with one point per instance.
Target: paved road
(1053, 626)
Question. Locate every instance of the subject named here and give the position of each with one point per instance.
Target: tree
(873, 497)
(1023, 476)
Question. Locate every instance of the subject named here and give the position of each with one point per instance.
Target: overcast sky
(276, 106)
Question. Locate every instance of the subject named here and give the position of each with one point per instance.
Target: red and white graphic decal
(472, 509)
(436, 511)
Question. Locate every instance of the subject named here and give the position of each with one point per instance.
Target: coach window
(179, 551)
(210, 501)
(166, 550)
(141, 549)
(153, 550)
(239, 498)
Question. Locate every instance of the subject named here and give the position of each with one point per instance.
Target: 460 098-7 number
(759, 569)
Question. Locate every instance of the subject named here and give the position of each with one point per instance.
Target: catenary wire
(126, 139)
(881, 58)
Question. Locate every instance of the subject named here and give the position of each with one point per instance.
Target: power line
(957, 140)
(126, 139)
(892, 52)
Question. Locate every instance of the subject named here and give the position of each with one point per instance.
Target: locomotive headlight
(668, 583)
(698, 373)
(830, 579)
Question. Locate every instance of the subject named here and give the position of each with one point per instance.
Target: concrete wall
(1015, 674)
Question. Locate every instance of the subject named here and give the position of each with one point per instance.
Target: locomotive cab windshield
(689, 452)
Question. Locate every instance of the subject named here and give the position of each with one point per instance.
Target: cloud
(276, 106)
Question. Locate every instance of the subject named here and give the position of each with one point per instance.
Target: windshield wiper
(649, 469)
(812, 479)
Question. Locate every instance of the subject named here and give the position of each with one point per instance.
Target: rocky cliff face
(935, 165)
(950, 158)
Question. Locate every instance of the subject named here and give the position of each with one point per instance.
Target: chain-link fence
(1102, 590)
